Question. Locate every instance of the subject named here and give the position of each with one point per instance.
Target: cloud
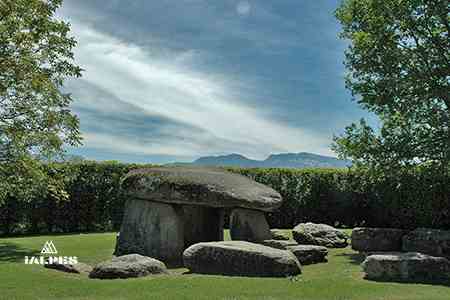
(200, 113)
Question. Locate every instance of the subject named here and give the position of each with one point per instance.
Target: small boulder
(278, 235)
(309, 254)
(408, 267)
(77, 268)
(377, 239)
(126, 266)
(429, 241)
(240, 258)
(279, 244)
(319, 234)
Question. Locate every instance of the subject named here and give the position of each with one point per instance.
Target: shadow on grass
(441, 282)
(10, 252)
(353, 258)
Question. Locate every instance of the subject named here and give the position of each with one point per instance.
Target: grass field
(339, 279)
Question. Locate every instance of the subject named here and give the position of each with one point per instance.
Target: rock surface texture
(78, 268)
(152, 229)
(409, 267)
(278, 235)
(127, 266)
(240, 258)
(249, 225)
(319, 234)
(377, 239)
(309, 254)
(279, 244)
(429, 241)
(200, 186)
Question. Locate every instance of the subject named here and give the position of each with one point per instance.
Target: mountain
(283, 160)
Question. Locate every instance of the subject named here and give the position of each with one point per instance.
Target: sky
(173, 80)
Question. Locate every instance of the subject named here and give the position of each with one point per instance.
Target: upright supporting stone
(152, 229)
(249, 225)
(202, 224)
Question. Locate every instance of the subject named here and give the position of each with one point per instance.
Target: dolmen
(169, 209)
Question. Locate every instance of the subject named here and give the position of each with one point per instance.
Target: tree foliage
(399, 68)
(35, 120)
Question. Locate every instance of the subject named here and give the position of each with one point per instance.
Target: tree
(35, 120)
(399, 68)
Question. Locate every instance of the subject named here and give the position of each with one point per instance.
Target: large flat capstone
(199, 186)
(239, 258)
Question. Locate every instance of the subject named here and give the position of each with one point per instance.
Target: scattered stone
(77, 268)
(127, 266)
(309, 254)
(152, 229)
(249, 225)
(408, 267)
(278, 235)
(429, 241)
(240, 258)
(319, 234)
(200, 186)
(279, 244)
(377, 239)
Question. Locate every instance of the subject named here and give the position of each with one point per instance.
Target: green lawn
(339, 279)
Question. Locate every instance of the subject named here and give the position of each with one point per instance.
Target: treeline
(412, 198)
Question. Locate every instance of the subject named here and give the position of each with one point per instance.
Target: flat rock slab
(77, 268)
(279, 235)
(279, 244)
(200, 186)
(309, 254)
(408, 267)
(319, 234)
(128, 266)
(429, 241)
(239, 258)
(377, 239)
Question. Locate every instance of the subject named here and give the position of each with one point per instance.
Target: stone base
(249, 225)
(152, 229)
(202, 224)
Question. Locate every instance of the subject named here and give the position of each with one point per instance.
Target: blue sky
(172, 80)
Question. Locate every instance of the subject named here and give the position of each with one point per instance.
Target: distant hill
(284, 160)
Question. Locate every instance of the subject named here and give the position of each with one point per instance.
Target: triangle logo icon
(49, 248)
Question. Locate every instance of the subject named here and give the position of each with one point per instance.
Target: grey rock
(202, 224)
(128, 266)
(377, 239)
(248, 225)
(152, 229)
(279, 244)
(309, 254)
(240, 258)
(199, 186)
(409, 267)
(429, 241)
(319, 234)
(279, 235)
(77, 268)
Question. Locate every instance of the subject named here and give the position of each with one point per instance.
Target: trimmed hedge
(344, 198)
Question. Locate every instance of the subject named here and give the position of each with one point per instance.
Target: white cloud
(172, 89)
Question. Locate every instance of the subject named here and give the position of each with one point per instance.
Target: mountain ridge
(280, 160)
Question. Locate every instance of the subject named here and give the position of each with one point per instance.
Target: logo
(49, 248)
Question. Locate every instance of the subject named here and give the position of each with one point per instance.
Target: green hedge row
(417, 198)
